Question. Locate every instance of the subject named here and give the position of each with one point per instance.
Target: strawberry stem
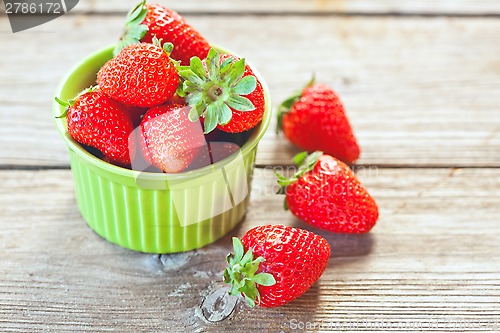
(241, 273)
(67, 104)
(287, 104)
(134, 30)
(305, 163)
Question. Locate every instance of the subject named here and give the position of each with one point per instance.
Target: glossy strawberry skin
(243, 121)
(140, 75)
(295, 257)
(330, 197)
(98, 121)
(169, 140)
(169, 26)
(317, 121)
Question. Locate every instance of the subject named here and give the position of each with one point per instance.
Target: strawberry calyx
(213, 92)
(305, 163)
(167, 48)
(241, 273)
(134, 30)
(70, 102)
(287, 104)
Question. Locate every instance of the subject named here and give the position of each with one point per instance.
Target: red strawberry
(326, 194)
(100, 122)
(141, 75)
(146, 21)
(136, 114)
(215, 90)
(238, 138)
(288, 262)
(211, 153)
(169, 139)
(315, 119)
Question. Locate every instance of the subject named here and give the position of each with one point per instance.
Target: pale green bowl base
(120, 215)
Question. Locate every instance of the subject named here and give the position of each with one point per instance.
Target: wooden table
(421, 84)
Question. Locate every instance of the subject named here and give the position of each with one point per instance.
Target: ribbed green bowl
(154, 212)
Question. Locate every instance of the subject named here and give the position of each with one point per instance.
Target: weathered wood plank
(419, 91)
(427, 266)
(311, 6)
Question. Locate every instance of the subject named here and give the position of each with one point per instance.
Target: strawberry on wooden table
(141, 75)
(274, 264)
(147, 21)
(169, 139)
(325, 193)
(224, 92)
(95, 120)
(315, 119)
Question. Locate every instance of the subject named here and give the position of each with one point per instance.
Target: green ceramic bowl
(154, 212)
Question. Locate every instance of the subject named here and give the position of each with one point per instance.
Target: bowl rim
(76, 147)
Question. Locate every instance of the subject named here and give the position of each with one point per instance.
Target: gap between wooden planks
(427, 262)
(419, 92)
(239, 7)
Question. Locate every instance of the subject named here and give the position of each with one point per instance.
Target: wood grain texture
(307, 6)
(419, 91)
(428, 264)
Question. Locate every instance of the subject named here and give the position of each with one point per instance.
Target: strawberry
(288, 262)
(237, 138)
(168, 138)
(146, 21)
(215, 90)
(315, 119)
(326, 194)
(136, 114)
(100, 122)
(211, 153)
(140, 75)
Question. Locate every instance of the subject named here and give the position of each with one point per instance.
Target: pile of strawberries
(168, 99)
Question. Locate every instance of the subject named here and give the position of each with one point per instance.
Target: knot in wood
(218, 305)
